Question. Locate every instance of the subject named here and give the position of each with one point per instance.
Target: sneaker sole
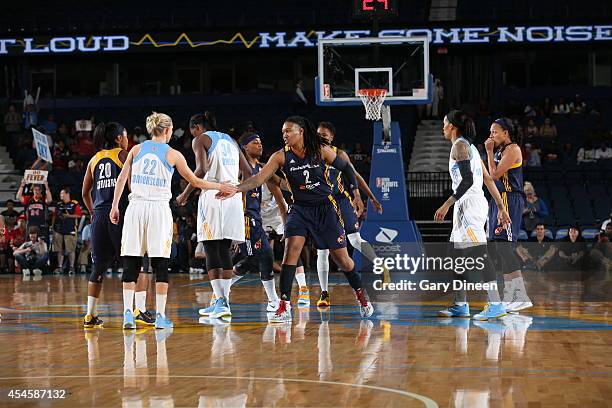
(323, 304)
(143, 323)
(220, 315)
(484, 319)
(526, 305)
(129, 327)
(441, 314)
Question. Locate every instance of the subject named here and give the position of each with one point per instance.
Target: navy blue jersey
(105, 169)
(307, 181)
(512, 180)
(252, 199)
(36, 212)
(336, 179)
(64, 225)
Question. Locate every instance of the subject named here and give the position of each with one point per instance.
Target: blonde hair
(528, 187)
(157, 122)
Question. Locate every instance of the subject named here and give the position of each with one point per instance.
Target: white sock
(301, 279)
(216, 286)
(235, 279)
(92, 302)
(160, 304)
(323, 268)
(225, 286)
(140, 298)
(519, 283)
(270, 290)
(493, 294)
(128, 299)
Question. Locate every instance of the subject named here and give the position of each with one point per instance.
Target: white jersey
(475, 165)
(221, 219)
(270, 213)
(223, 159)
(470, 212)
(151, 173)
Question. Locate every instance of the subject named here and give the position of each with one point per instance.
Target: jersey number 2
(149, 163)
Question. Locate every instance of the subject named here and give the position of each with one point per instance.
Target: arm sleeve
(467, 179)
(347, 170)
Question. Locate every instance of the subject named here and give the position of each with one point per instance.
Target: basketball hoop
(372, 101)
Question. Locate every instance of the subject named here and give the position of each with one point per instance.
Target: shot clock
(375, 8)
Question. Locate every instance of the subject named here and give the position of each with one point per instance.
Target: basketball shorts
(105, 238)
(322, 223)
(469, 219)
(220, 219)
(514, 203)
(349, 216)
(147, 228)
(256, 239)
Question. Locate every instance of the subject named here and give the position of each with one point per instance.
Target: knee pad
(246, 265)
(97, 272)
(482, 259)
(218, 254)
(131, 268)
(265, 265)
(160, 268)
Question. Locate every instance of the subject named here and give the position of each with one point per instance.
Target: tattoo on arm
(461, 151)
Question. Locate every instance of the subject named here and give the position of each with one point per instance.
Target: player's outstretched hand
(377, 206)
(114, 216)
(503, 218)
(440, 213)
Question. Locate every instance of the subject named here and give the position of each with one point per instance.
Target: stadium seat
(589, 233)
(561, 233)
(523, 235)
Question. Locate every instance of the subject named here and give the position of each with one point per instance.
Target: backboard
(398, 64)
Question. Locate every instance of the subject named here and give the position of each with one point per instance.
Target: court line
(427, 402)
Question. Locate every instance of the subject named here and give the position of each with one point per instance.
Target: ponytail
(105, 135)
(206, 120)
(463, 122)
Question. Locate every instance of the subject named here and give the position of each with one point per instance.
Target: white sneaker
(26, 272)
(283, 313)
(273, 306)
(37, 272)
(517, 302)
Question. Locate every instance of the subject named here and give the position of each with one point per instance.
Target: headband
(502, 122)
(249, 139)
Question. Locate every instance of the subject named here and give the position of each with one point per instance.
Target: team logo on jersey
(499, 230)
(258, 245)
(341, 239)
(291, 161)
(356, 225)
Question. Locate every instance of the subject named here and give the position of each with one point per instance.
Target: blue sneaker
(162, 322)
(128, 320)
(455, 311)
(491, 311)
(222, 309)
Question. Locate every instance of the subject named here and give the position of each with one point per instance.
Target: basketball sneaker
(221, 309)
(128, 320)
(89, 322)
(211, 306)
(272, 306)
(517, 301)
(144, 318)
(283, 313)
(491, 311)
(304, 296)
(365, 307)
(324, 300)
(162, 322)
(455, 311)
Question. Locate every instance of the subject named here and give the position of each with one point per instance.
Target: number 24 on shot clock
(375, 8)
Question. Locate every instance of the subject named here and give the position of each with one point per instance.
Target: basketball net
(372, 101)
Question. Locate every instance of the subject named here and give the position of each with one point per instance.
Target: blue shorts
(349, 216)
(514, 203)
(322, 223)
(105, 238)
(255, 238)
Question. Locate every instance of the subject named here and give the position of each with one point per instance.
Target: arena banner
(249, 39)
(42, 146)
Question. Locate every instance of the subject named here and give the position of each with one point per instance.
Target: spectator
(561, 108)
(547, 107)
(532, 155)
(299, 100)
(32, 254)
(603, 153)
(606, 222)
(586, 154)
(530, 111)
(85, 241)
(539, 250)
(12, 121)
(83, 145)
(30, 112)
(36, 207)
(567, 154)
(601, 254)
(10, 214)
(571, 250)
(26, 154)
(66, 224)
(535, 208)
(548, 130)
(578, 106)
(360, 159)
(532, 131)
(61, 155)
(63, 132)
(433, 109)
(18, 234)
(49, 125)
(5, 241)
(519, 131)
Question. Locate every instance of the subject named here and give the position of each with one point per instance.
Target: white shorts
(220, 219)
(469, 219)
(274, 223)
(147, 228)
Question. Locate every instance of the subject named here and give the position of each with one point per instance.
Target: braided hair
(313, 142)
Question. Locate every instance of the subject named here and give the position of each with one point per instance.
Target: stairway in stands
(430, 150)
(9, 177)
